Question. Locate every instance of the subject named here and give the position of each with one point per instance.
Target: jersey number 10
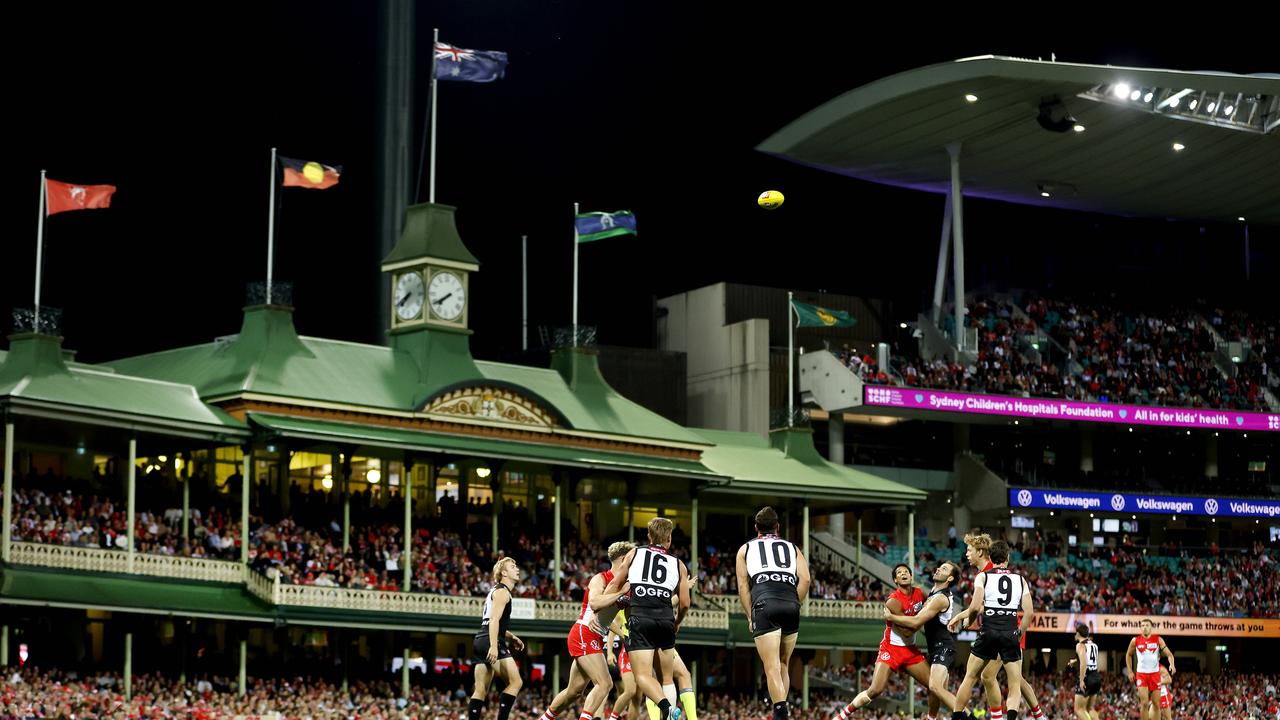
(781, 555)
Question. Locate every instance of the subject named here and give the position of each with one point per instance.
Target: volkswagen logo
(1117, 502)
(1211, 506)
(1024, 497)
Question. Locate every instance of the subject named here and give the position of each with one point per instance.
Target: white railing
(67, 557)
(425, 604)
(706, 619)
(376, 600)
(262, 587)
(271, 591)
(556, 610)
(815, 608)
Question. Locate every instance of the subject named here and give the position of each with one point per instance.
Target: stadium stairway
(843, 557)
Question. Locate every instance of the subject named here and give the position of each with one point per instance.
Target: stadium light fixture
(163, 458)
(1044, 194)
(1241, 218)
(970, 97)
(326, 482)
(373, 476)
(1179, 147)
(1174, 99)
(483, 472)
(1252, 112)
(902, 325)
(1078, 128)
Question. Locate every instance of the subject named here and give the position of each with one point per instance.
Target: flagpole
(791, 361)
(431, 177)
(271, 225)
(44, 189)
(575, 274)
(524, 291)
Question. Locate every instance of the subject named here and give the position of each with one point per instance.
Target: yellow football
(770, 200)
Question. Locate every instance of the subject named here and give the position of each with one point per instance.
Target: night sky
(651, 107)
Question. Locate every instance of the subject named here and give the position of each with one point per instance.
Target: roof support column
(957, 211)
(557, 502)
(131, 510)
(495, 489)
(857, 542)
(244, 661)
(404, 672)
(940, 280)
(6, 547)
(186, 499)
(128, 665)
(804, 525)
(342, 464)
(406, 556)
(693, 551)
(246, 481)
(631, 509)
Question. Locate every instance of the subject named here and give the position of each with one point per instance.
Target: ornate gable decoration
(492, 404)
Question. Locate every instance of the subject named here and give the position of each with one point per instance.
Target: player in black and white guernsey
(655, 576)
(492, 645)
(1086, 700)
(999, 594)
(773, 579)
(933, 617)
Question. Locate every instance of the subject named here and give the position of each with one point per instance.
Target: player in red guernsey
(1166, 694)
(1148, 647)
(898, 651)
(587, 643)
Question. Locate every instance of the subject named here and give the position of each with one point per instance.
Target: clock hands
(404, 299)
(446, 297)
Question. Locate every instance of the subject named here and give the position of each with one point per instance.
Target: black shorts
(646, 633)
(480, 646)
(769, 614)
(998, 642)
(943, 654)
(1092, 684)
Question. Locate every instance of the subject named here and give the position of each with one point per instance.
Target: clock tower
(430, 271)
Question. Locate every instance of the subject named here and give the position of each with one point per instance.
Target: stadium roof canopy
(894, 131)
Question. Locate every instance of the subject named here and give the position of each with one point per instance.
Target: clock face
(447, 295)
(409, 295)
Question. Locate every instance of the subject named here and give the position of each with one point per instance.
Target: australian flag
(455, 63)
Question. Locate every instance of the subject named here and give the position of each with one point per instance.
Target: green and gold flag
(813, 316)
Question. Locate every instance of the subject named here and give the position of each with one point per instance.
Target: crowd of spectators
(1097, 350)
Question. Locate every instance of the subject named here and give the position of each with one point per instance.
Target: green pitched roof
(35, 374)
(269, 358)
(403, 438)
(787, 464)
(575, 387)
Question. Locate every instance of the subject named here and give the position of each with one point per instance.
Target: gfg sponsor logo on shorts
(657, 592)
